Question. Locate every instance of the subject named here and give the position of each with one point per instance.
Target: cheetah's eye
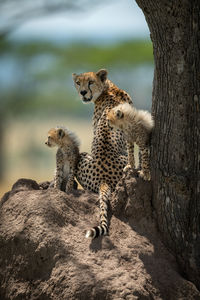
(91, 82)
(78, 83)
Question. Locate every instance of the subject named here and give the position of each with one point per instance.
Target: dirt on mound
(45, 255)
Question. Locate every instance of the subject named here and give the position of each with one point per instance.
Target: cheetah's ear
(74, 75)
(102, 74)
(61, 133)
(119, 114)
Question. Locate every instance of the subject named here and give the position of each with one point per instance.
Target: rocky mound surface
(45, 255)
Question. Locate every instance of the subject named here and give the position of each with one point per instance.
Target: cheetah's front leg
(131, 158)
(70, 182)
(71, 174)
(59, 170)
(58, 178)
(145, 163)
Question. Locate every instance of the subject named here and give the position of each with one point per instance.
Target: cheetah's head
(90, 85)
(115, 118)
(55, 137)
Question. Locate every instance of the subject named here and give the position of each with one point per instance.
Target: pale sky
(111, 21)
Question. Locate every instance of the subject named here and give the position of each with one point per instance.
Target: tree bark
(1, 147)
(175, 34)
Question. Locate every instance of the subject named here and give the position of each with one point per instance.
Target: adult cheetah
(101, 171)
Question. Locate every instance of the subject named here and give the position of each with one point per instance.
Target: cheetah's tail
(102, 229)
(97, 231)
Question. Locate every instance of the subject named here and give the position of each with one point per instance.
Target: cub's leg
(70, 182)
(70, 169)
(131, 158)
(139, 159)
(145, 163)
(58, 178)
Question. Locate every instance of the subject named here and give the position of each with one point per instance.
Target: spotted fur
(101, 171)
(137, 126)
(67, 156)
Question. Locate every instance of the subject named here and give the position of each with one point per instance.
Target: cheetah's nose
(83, 93)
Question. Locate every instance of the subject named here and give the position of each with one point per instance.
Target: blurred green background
(36, 87)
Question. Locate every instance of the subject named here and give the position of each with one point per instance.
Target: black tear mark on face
(89, 87)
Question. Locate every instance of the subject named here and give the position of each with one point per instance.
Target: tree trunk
(1, 148)
(175, 33)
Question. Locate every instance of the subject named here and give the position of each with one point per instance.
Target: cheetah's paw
(128, 167)
(145, 175)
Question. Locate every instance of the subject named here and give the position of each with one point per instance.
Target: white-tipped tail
(89, 234)
(102, 229)
(97, 231)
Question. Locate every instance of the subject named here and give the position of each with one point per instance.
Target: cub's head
(55, 137)
(90, 85)
(115, 118)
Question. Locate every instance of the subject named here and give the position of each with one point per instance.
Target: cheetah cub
(66, 157)
(137, 126)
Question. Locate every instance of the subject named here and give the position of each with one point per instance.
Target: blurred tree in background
(15, 12)
(12, 14)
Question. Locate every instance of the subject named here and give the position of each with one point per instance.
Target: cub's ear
(119, 114)
(102, 74)
(61, 133)
(74, 75)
